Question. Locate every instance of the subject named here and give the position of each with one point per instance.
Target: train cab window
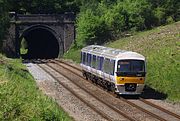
(124, 66)
(131, 66)
(93, 61)
(137, 66)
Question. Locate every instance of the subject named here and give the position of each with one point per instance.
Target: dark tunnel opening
(40, 44)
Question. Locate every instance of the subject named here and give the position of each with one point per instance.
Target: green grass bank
(161, 47)
(20, 98)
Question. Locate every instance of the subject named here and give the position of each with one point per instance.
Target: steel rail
(160, 108)
(141, 99)
(76, 95)
(93, 95)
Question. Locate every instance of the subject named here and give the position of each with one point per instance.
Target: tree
(4, 20)
(165, 11)
(91, 29)
(44, 6)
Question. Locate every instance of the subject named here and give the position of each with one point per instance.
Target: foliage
(73, 54)
(20, 98)
(116, 18)
(4, 20)
(24, 47)
(91, 29)
(165, 9)
(119, 17)
(43, 6)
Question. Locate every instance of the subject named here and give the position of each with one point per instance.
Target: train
(120, 71)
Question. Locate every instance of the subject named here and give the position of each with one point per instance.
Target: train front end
(130, 74)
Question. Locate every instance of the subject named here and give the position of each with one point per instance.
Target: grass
(23, 51)
(161, 47)
(20, 98)
(73, 54)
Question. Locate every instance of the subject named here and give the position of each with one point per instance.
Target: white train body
(118, 70)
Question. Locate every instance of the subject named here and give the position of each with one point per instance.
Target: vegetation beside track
(161, 47)
(20, 98)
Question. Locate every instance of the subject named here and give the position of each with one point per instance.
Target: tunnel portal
(47, 35)
(41, 44)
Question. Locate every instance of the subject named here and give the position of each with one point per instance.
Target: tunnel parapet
(60, 25)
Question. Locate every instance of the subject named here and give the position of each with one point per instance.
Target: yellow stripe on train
(123, 80)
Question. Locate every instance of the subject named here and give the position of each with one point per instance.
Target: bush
(169, 20)
(91, 29)
(97, 26)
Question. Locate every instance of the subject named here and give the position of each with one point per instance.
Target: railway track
(167, 114)
(160, 108)
(100, 112)
(76, 95)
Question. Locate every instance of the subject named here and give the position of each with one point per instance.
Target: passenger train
(117, 70)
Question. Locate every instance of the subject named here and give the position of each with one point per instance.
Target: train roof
(112, 52)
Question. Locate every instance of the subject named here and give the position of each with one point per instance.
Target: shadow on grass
(150, 93)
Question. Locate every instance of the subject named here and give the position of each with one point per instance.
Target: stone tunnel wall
(61, 24)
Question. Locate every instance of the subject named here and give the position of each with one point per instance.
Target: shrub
(91, 29)
(109, 20)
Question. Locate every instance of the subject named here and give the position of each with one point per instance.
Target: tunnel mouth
(39, 43)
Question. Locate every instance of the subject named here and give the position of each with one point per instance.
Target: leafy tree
(138, 13)
(91, 29)
(164, 10)
(113, 17)
(44, 6)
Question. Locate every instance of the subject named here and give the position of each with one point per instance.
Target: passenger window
(106, 66)
(84, 58)
(94, 61)
(112, 64)
(99, 62)
(88, 59)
